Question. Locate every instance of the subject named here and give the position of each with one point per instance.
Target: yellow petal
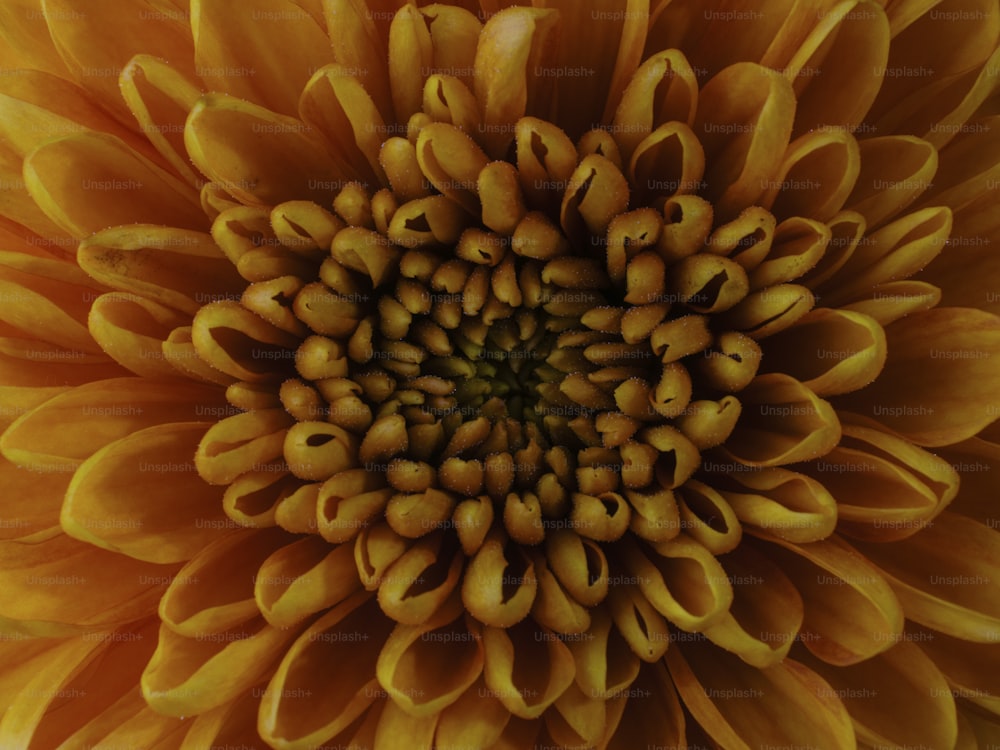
(766, 613)
(132, 330)
(264, 54)
(241, 443)
(69, 428)
(511, 45)
(851, 613)
(527, 668)
(782, 422)
(833, 69)
(41, 305)
(682, 580)
(476, 719)
(589, 87)
(214, 591)
(426, 668)
(258, 155)
(107, 590)
(783, 503)
(175, 267)
(410, 57)
(191, 675)
(26, 39)
(895, 169)
(750, 130)
(817, 175)
(742, 706)
(643, 726)
(647, 103)
(350, 636)
(119, 501)
(951, 593)
(89, 182)
(930, 353)
(303, 578)
(876, 691)
(160, 97)
(336, 104)
(850, 351)
(897, 251)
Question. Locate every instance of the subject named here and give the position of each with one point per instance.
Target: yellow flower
(477, 376)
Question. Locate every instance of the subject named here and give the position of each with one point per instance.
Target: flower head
(470, 376)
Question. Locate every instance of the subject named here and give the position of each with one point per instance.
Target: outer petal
(744, 707)
(264, 53)
(261, 157)
(85, 183)
(941, 382)
(956, 594)
(96, 43)
(897, 698)
(141, 496)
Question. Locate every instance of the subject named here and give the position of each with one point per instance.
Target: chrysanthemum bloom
(588, 375)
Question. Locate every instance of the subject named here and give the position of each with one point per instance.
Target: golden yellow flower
(481, 376)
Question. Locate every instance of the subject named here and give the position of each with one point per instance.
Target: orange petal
(833, 70)
(652, 715)
(511, 45)
(192, 675)
(742, 135)
(850, 351)
(766, 612)
(302, 578)
(886, 488)
(784, 503)
(426, 668)
(527, 668)
(214, 591)
(895, 169)
(96, 44)
(174, 267)
(132, 330)
(160, 97)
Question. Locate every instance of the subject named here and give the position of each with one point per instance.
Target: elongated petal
(851, 613)
(782, 422)
(191, 675)
(338, 640)
(749, 129)
(214, 591)
(224, 137)
(109, 590)
(65, 430)
(119, 501)
(875, 690)
(89, 182)
(950, 593)
(801, 707)
(263, 54)
(930, 353)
